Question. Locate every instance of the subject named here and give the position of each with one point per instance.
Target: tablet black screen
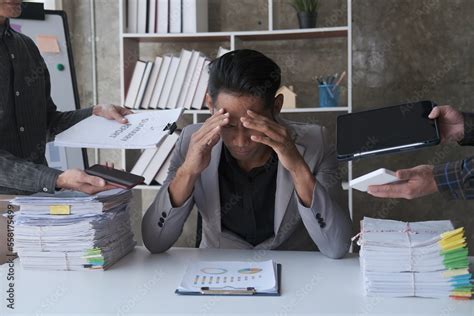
(385, 128)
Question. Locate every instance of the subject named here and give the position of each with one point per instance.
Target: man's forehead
(237, 106)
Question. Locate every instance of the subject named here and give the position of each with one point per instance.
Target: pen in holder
(328, 95)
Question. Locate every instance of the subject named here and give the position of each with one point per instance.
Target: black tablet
(389, 129)
(116, 177)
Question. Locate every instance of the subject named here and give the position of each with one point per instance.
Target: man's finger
(263, 128)
(109, 186)
(265, 140)
(117, 116)
(92, 189)
(93, 180)
(124, 111)
(387, 190)
(212, 138)
(406, 174)
(255, 115)
(434, 113)
(214, 115)
(211, 125)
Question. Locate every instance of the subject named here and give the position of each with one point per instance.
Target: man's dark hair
(244, 72)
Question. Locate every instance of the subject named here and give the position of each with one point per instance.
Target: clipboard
(250, 291)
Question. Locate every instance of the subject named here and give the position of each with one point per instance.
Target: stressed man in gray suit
(258, 181)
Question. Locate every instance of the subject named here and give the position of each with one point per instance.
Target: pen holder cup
(328, 95)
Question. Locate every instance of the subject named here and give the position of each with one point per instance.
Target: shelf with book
(136, 45)
(275, 35)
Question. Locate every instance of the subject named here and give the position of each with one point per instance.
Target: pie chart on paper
(250, 271)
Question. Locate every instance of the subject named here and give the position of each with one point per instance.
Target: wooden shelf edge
(244, 35)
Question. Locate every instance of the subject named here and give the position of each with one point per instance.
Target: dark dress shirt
(247, 199)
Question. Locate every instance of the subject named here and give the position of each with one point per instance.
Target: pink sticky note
(47, 44)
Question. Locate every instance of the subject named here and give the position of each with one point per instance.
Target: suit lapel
(210, 188)
(284, 190)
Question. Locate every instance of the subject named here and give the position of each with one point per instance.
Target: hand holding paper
(112, 112)
(143, 130)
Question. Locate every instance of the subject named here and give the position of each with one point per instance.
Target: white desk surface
(143, 283)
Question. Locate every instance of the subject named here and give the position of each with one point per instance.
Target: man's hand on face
(112, 112)
(275, 136)
(78, 180)
(450, 121)
(415, 182)
(202, 142)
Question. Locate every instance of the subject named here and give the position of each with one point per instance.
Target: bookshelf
(130, 52)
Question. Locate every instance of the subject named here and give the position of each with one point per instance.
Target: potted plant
(307, 11)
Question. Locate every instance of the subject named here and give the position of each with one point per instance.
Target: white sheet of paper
(230, 275)
(144, 130)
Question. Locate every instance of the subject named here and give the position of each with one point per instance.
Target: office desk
(145, 283)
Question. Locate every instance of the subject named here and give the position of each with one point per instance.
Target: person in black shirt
(29, 118)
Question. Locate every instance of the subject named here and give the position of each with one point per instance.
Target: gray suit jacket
(324, 225)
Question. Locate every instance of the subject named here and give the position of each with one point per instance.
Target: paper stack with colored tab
(426, 259)
(73, 231)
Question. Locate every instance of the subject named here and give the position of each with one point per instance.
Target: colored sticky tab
(452, 240)
(456, 272)
(451, 233)
(48, 44)
(60, 210)
(93, 252)
(460, 243)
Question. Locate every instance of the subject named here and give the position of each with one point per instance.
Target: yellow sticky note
(60, 210)
(455, 272)
(454, 245)
(48, 44)
(452, 233)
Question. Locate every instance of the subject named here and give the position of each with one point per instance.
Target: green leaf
(310, 6)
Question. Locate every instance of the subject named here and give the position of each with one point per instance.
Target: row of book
(166, 16)
(153, 163)
(72, 230)
(170, 82)
(161, 84)
(424, 259)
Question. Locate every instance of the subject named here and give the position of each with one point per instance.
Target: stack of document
(73, 231)
(231, 278)
(426, 259)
